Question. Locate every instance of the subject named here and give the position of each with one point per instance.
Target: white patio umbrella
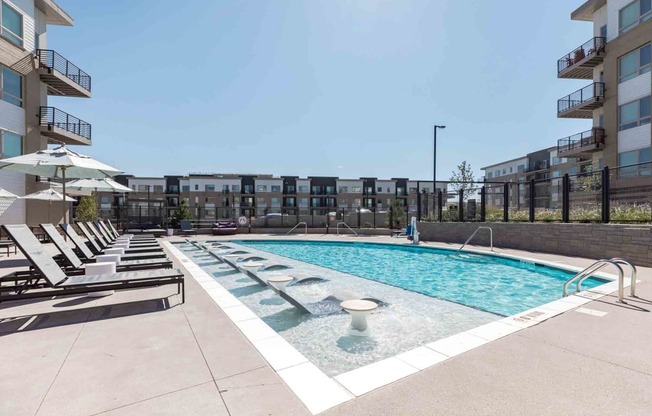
(6, 199)
(107, 185)
(48, 195)
(60, 162)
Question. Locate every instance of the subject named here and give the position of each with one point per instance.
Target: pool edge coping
(320, 392)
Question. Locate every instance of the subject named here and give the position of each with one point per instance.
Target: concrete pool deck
(140, 352)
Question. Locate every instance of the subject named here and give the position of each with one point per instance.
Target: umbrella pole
(65, 203)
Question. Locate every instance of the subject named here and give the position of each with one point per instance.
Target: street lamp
(434, 158)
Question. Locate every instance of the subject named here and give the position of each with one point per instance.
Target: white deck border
(320, 392)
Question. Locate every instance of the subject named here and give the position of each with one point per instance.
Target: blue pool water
(497, 285)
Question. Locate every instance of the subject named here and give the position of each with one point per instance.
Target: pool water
(488, 283)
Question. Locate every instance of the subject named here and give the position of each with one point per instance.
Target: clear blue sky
(345, 88)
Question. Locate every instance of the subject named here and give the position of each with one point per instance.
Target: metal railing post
(506, 202)
(531, 200)
(565, 198)
(606, 195)
(418, 205)
(460, 207)
(483, 200)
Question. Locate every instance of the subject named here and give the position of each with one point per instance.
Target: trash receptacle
(170, 232)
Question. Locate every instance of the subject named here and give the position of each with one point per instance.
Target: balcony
(581, 143)
(64, 128)
(540, 165)
(581, 103)
(61, 76)
(580, 62)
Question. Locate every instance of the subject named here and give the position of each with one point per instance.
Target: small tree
(181, 213)
(86, 210)
(463, 179)
(396, 215)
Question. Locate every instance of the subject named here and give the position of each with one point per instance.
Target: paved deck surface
(140, 352)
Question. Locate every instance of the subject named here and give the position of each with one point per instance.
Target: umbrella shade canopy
(59, 163)
(106, 185)
(72, 192)
(6, 199)
(48, 195)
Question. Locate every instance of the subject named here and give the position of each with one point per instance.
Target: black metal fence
(622, 195)
(54, 62)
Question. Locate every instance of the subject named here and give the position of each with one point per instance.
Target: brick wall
(595, 241)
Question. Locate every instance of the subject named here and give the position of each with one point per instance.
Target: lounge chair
(108, 237)
(72, 260)
(102, 234)
(87, 253)
(100, 244)
(60, 284)
(133, 236)
(113, 233)
(186, 228)
(225, 228)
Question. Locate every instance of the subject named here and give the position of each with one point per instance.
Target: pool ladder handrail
(301, 223)
(347, 226)
(491, 238)
(599, 265)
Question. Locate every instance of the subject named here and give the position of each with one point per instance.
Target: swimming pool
(489, 283)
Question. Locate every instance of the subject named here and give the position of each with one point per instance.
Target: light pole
(434, 164)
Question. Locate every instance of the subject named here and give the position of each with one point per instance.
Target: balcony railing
(580, 62)
(58, 123)
(581, 103)
(52, 61)
(589, 140)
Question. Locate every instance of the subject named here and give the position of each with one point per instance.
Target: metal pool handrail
(595, 267)
(491, 238)
(301, 223)
(346, 225)
(618, 260)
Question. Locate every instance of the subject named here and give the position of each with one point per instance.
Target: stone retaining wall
(595, 241)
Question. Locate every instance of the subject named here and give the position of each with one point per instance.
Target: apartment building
(616, 62)
(616, 105)
(30, 72)
(224, 196)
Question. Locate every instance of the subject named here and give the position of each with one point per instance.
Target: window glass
(644, 110)
(12, 24)
(629, 16)
(628, 115)
(185, 188)
(628, 158)
(12, 144)
(276, 188)
(629, 66)
(209, 188)
(12, 87)
(603, 31)
(645, 52)
(235, 188)
(646, 6)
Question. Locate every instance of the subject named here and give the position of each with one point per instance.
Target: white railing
(305, 224)
(346, 225)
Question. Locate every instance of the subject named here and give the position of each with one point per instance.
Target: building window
(276, 188)
(303, 202)
(603, 31)
(209, 188)
(158, 188)
(633, 14)
(634, 114)
(225, 189)
(196, 187)
(185, 188)
(634, 63)
(12, 144)
(356, 189)
(627, 159)
(521, 168)
(235, 188)
(303, 189)
(490, 175)
(343, 189)
(11, 87)
(261, 188)
(12, 24)
(276, 202)
(511, 169)
(143, 188)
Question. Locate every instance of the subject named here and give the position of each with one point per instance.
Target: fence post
(483, 200)
(606, 195)
(140, 216)
(418, 205)
(440, 206)
(565, 198)
(506, 202)
(460, 208)
(374, 218)
(531, 200)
